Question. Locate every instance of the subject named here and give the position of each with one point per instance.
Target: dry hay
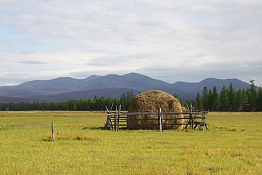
(184, 109)
(151, 101)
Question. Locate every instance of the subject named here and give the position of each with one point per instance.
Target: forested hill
(112, 85)
(228, 99)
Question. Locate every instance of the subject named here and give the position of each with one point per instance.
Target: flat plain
(233, 145)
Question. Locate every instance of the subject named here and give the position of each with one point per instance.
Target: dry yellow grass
(232, 146)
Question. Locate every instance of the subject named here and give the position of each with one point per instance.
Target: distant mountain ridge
(112, 85)
(210, 83)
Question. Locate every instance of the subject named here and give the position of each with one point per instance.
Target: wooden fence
(193, 119)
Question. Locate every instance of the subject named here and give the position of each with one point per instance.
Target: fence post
(115, 116)
(118, 115)
(191, 117)
(160, 120)
(53, 130)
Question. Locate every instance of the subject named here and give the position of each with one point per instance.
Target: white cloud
(148, 36)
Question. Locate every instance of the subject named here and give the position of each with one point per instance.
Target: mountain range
(112, 85)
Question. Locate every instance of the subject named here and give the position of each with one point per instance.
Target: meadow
(233, 145)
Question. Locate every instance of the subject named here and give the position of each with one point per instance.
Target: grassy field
(232, 146)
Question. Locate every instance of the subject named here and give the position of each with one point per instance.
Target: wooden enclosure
(192, 119)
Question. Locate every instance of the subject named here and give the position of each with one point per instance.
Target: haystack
(151, 101)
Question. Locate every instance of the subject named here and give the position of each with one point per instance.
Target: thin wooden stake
(118, 115)
(191, 116)
(53, 130)
(114, 123)
(160, 120)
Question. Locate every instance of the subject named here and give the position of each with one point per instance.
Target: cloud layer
(169, 40)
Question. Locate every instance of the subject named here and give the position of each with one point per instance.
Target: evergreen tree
(245, 100)
(259, 100)
(205, 99)
(239, 100)
(224, 99)
(232, 98)
(199, 102)
(210, 100)
(252, 96)
(216, 99)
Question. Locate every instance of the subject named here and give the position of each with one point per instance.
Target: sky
(170, 40)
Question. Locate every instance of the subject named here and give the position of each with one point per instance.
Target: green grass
(232, 146)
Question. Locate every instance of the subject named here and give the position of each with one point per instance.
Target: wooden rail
(194, 119)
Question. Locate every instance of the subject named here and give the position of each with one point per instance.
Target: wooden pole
(118, 115)
(53, 130)
(115, 119)
(191, 116)
(160, 120)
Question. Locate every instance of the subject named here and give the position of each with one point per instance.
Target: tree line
(228, 99)
(95, 104)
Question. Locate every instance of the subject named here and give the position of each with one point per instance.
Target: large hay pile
(151, 101)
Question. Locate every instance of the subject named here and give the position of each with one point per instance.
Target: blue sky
(169, 40)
